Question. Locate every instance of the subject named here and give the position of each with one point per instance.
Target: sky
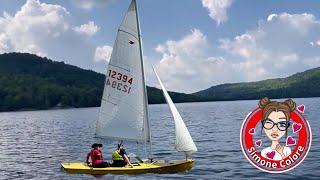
(194, 44)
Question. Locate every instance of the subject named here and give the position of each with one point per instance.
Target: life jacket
(116, 156)
(96, 157)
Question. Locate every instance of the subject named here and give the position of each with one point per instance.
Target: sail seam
(129, 33)
(119, 67)
(109, 102)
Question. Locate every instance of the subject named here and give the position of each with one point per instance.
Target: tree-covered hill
(31, 82)
(304, 84)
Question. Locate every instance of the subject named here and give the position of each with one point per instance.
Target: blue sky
(194, 44)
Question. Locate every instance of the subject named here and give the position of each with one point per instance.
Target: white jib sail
(123, 111)
(184, 141)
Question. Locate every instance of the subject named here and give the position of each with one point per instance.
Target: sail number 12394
(119, 81)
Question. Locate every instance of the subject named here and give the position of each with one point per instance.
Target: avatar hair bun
(264, 102)
(291, 104)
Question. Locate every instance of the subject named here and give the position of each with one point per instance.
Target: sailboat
(124, 114)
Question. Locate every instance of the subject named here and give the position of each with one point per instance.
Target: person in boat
(96, 157)
(120, 158)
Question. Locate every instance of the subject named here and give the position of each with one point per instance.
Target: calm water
(32, 144)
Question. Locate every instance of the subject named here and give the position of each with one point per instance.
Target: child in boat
(120, 158)
(96, 157)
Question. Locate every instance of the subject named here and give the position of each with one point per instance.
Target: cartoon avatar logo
(275, 137)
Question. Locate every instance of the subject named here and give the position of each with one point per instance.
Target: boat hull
(159, 167)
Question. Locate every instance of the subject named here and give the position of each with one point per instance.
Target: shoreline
(66, 108)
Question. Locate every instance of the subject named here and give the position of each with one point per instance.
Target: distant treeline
(300, 85)
(31, 82)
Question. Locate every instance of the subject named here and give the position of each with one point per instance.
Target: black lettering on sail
(108, 82)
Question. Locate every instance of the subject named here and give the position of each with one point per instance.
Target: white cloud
(89, 4)
(103, 53)
(186, 66)
(88, 29)
(46, 30)
(271, 16)
(315, 43)
(33, 24)
(278, 47)
(299, 22)
(217, 9)
(160, 48)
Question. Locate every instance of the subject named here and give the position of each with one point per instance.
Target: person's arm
(101, 154)
(87, 161)
(127, 160)
(112, 156)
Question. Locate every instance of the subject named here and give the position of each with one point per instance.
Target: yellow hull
(159, 167)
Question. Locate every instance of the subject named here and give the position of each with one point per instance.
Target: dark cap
(119, 145)
(96, 145)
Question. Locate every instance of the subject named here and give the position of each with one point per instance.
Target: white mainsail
(123, 112)
(184, 141)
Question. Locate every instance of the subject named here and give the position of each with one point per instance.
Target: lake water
(33, 143)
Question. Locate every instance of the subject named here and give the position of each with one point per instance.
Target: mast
(148, 133)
